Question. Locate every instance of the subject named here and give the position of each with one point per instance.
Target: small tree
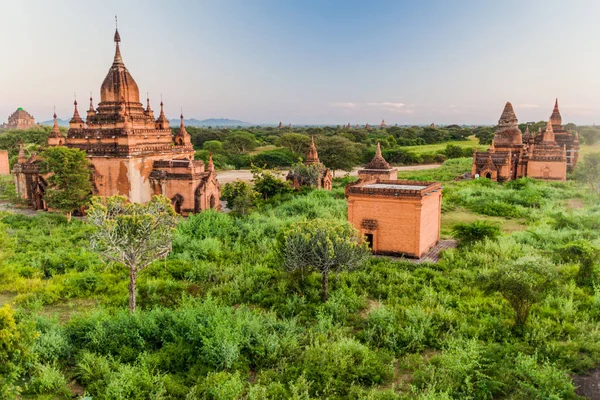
(240, 196)
(307, 175)
(132, 234)
(69, 184)
(586, 255)
(296, 142)
(522, 283)
(588, 171)
(321, 246)
(469, 233)
(267, 184)
(337, 152)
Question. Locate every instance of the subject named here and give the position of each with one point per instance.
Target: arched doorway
(488, 175)
(212, 202)
(177, 202)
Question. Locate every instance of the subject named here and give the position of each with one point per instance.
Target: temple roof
(20, 114)
(312, 157)
(507, 133)
(119, 84)
(556, 118)
(378, 162)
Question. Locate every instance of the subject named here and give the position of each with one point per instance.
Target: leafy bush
(469, 233)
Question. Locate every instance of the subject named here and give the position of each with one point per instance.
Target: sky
(310, 61)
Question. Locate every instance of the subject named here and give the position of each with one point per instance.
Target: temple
(131, 153)
(546, 155)
(378, 169)
(397, 218)
(325, 178)
(20, 119)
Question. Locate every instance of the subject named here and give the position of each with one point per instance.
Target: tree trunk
(132, 279)
(324, 284)
(69, 217)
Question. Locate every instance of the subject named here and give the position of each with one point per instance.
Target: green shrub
(469, 233)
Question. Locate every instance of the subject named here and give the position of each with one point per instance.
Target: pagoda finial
(117, 37)
(312, 157)
(378, 150)
(211, 165)
(91, 103)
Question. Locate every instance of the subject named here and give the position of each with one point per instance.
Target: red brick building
(396, 217)
(512, 155)
(131, 153)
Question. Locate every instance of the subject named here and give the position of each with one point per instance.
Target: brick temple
(131, 153)
(395, 217)
(545, 155)
(20, 119)
(325, 179)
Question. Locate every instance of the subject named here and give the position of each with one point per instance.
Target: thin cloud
(527, 105)
(387, 104)
(345, 105)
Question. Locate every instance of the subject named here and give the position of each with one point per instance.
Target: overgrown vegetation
(508, 316)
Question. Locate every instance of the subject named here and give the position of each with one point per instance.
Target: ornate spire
(548, 133)
(76, 117)
(378, 162)
(556, 118)
(312, 157)
(55, 128)
(91, 112)
(211, 165)
(21, 158)
(162, 122)
(182, 130)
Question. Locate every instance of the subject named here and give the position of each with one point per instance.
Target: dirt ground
(588, 386)
(246, 175)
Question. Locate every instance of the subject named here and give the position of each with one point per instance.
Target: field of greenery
(220, 318)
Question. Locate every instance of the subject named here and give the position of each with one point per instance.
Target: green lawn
(432, 148)
(587, 149)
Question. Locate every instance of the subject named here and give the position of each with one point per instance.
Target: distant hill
(210, 122)
(175, 122)
(61, 122)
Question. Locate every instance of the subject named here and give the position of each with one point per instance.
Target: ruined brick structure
(4, 170)
(20, 119)
(546, 155)
(396, 217)
(325, 178)
(378, 169)
(131, 153)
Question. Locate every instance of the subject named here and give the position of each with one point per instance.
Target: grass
(588, 149)
(450, 218)
(432, 148)
(260, 149)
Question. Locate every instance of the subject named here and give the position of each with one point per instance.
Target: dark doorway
(488, 175)
(369, 239)
(212, 202)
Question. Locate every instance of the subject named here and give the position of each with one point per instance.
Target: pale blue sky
(328, 61)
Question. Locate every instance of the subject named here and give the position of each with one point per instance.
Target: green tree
(267, 184)
(588, 171)
(586, 255)
(132, 234)
(485, 134)
(296, 142)
(240, 142)
(338, 152)
(240, 197)
(522, 283)
(307, 175)
(213, 145)
(69, 182)
(322, 246)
